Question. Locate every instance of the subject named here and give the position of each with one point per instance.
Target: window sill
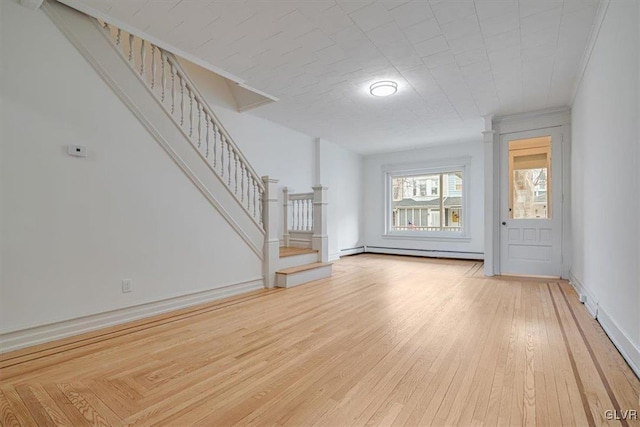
(431, 237)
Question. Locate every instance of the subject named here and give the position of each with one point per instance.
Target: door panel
(531, 203)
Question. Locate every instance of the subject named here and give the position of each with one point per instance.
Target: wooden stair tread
(292, 251)
(301, 268)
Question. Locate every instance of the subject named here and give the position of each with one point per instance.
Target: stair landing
(287, 251)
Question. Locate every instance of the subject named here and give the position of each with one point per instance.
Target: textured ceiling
(454, 60)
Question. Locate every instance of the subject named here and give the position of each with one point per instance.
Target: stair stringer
(86, 35)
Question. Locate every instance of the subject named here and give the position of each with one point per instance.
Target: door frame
(495, 127)
(555, 178)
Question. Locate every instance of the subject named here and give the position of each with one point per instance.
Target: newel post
(270, 221)
(320, 240)
(285, 214)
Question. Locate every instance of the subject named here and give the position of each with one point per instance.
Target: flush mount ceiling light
(383, 88)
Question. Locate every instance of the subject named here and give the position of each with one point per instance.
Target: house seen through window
(430, 202)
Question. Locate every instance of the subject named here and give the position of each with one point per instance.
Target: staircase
(186, 126)
(303, 258)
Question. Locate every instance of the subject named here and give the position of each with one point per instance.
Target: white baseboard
(424, 253)
(629, 351)
(41, 334)
(624, 344)
(334, 257)
(589, 301)
(351, 251)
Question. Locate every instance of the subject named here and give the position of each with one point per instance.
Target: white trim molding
(625, 345)
(352, 251)
(427, 253)
(629, 351)
(603, 6)
(587, 298)
(390, 171)
(16, 340)
(523, 122)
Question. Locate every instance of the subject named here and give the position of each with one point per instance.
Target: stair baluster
(163, 78)
(206, 121)
(248, 190)
(229, 164)
(199, 125)
(130, 47)
(235, 159)
(254, 197)
(190, 112)
(215, 144)
(222, 156)
(181, 82)
(153, 66)
(143, 57)
(241, 183)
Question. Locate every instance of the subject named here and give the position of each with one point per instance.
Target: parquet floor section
(386, 341)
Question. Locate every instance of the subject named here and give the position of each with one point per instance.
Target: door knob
(504, 223)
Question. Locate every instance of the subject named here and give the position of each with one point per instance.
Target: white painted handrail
(172, 87)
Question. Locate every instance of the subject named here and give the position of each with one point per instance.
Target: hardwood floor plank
(12, 416)
(40, 415)
(473, 411)
(387, 340)
(50, 407)
(531, 360)
(549, 413)
(66, 406)
(623, 382)
(509, 391)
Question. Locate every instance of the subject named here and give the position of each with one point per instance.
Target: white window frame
(427, 168)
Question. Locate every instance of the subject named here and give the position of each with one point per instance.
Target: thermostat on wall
(77, 150)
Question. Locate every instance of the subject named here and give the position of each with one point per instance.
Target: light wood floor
(387, 341)
(286, 251)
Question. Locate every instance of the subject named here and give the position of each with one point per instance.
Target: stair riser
(296, 260)
(291, 280)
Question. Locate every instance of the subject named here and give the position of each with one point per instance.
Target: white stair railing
(306, 213)
(300, 212)
(168, 82)
(297, 214)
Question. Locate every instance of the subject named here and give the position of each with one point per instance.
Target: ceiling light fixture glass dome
(383, 88)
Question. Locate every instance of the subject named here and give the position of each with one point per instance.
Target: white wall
(341, 171)
(374, 204)
(605, 180)
(71, 229)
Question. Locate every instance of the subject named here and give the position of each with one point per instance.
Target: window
(423, 188)
(431, 203)
(529, 166)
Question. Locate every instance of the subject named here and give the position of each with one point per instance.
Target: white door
(531, 203)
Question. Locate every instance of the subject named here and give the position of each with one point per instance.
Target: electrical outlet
(127, 285)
